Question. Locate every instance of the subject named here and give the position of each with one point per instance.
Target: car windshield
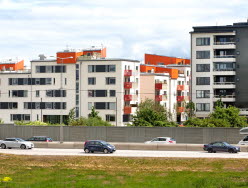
(225, 143)
(105, 143)
(20, 140)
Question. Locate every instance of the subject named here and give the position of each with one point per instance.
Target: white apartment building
(51, 88)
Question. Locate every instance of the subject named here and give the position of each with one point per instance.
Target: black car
(98, 146)
(221, 146)
(40, 139)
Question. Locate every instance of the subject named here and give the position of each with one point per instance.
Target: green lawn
(68, 171)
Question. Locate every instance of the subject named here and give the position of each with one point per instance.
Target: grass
(69, 171)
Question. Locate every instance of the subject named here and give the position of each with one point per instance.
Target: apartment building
(219, 67)
(75, 79)
(166, 80)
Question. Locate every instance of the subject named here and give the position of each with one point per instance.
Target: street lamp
(61, 130)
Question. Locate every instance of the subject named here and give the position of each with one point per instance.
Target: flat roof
(110, 59)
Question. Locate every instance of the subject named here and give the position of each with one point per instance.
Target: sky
(128, 28)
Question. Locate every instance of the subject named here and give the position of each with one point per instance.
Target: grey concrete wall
(124, 134)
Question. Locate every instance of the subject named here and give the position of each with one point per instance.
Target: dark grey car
(98, 146)
(221, 146)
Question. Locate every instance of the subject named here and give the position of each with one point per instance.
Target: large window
(19, 93)
(203, 41)
(8, 105)
(101, 68)
(51, 69)
(202, 54)
(56, 93)
(110, 80)
(203, 94)
(20, 117)
(30, 81)
(97, 93)
(92, 81)
(44, 105)
(202, 80)
(112, 93)
(202, 107)
(203, 68)
(104, 105)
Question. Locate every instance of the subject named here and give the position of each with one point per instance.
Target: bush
(35, 123)
(89, 122)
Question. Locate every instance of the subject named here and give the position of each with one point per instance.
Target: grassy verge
(68, 171)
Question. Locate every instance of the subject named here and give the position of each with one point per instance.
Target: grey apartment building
(219, 67)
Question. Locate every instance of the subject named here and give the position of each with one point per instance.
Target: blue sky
(127, 28)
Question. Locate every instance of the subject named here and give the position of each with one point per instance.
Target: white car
(15, 143)
(162, 140)
(244, 141)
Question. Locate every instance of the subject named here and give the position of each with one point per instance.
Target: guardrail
(129, 146)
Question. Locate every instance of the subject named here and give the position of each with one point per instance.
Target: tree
(190, 109)
(71, 116)
(94, 114)
(150, 113)
(219, 103)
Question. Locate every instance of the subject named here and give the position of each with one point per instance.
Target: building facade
(219, 67)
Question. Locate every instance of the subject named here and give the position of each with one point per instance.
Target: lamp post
(61, 130)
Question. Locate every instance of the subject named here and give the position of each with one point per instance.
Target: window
(101, 68)
(89, 105)
(77, 87)
(51, 69)
(202, 80)
(112, 93)
(77, 74)
(19, 93)
(203, 94)
(203, 41)
(8, 105)
(44, 105)
(110, 80)
(97, 93)
(203, 68)
(104, 105)
(202, 54)
(110, 117)
(30, 81)
(20, 117)
(202, 106)
(56, 93)
(77, 100)
(92, 81)
(37, 93)
(137, 67)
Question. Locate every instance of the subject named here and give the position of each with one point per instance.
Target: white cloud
(128, 28)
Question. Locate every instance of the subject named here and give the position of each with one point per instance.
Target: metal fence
(124, 134)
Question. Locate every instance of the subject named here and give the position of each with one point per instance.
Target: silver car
(15, 143)
(162, 140)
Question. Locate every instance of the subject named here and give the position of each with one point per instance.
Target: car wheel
(231, 151)
(3, 146)
(210, 150)
(86, 150)
(91, 151)
(23, 146)
(105, 151)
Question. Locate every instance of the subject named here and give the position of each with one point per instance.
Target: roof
(111, 59)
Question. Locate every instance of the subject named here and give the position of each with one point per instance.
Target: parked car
(98, 146)
(244, 141)
(221, 146)
(40, 139)
(162, 140)
(15, 143)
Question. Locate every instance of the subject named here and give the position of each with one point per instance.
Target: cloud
(128, 28)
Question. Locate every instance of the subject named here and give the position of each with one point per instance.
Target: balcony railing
(127, 85)
(224, 83)
(158, 86)
(158, 97)
(180, 109)
(127, 109)
(224, 56)
(223, 43)
(227, 69)
(182, 98)
(127, 72)
(180, 87)
(127, 97)
(224, 96)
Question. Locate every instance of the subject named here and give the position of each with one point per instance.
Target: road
(126, 153)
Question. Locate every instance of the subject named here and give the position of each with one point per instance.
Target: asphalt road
(126, 153)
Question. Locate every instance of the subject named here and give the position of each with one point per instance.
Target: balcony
(127, 109)
(180, 109)
(158, 97)
(127, 85)
(158, 86)
(127, 97)
(225, 98)
(224, 56)
(127, 72)
(182, 98)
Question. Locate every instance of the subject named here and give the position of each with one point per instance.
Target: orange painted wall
(173, 72)
(15, 66)
(103, 52)
(75, 55)
(155, 59)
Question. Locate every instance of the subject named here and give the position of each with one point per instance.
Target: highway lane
(125, 153)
